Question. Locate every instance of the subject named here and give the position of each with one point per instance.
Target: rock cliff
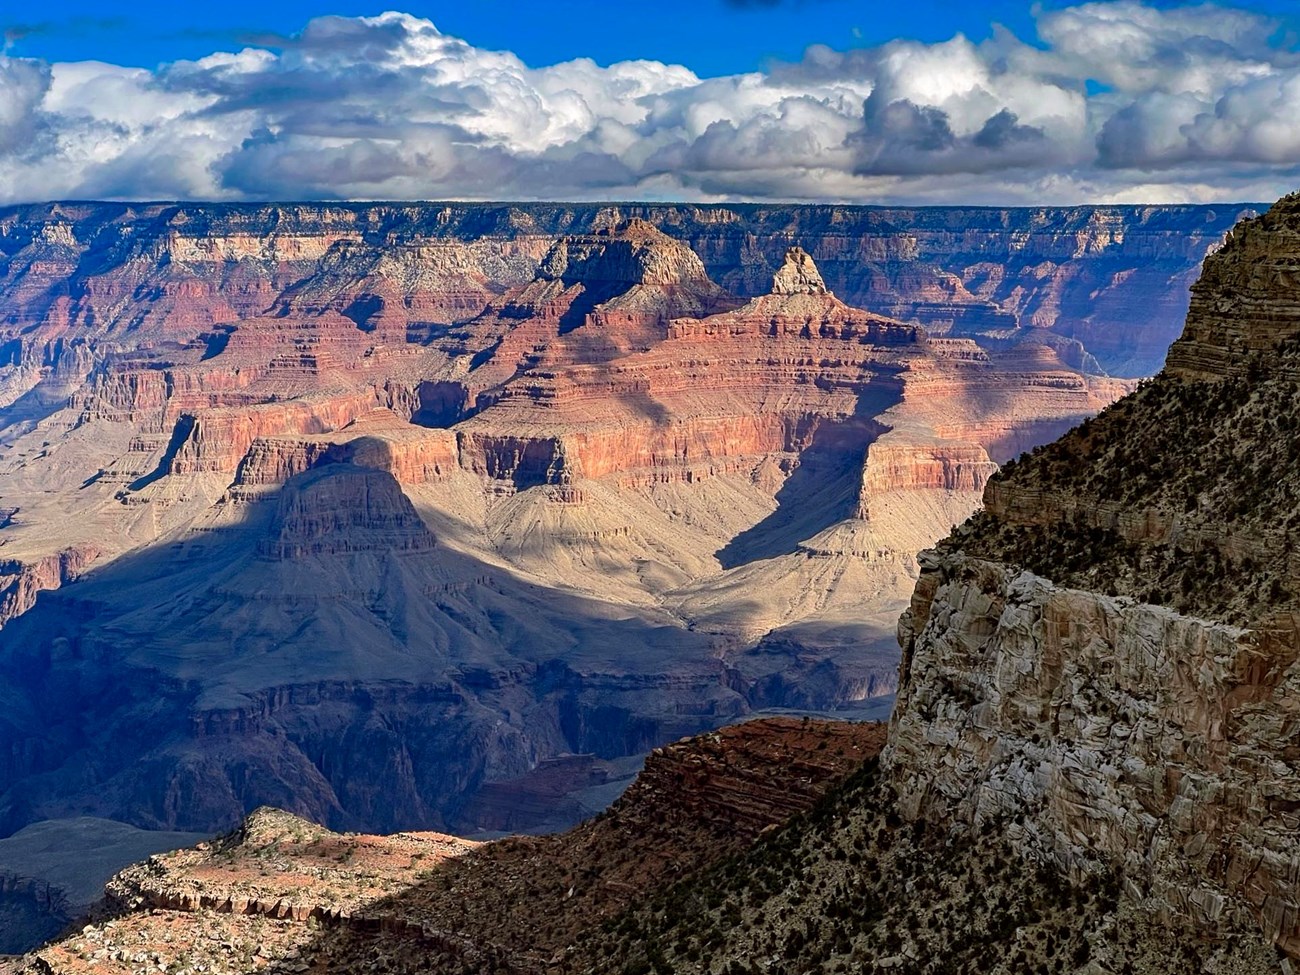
(1106, 658)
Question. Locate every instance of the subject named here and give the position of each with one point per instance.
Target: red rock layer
(219, 439)
(21, 582)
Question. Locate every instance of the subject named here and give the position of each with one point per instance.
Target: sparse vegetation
(851, 887)
(1182, 495)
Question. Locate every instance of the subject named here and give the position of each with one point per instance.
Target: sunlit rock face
(1106, 658)
(361, 510)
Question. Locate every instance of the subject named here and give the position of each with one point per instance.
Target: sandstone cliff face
(798, 275)
(1242, 303)
(218, 440)
(22, 581)
(1108, 734)
(1043, 685)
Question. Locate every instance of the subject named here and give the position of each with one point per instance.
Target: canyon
(437, 516)
(1090, 766)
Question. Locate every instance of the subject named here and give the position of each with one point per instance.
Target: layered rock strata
(1085, 274)
(393, 506)
(1044, 685)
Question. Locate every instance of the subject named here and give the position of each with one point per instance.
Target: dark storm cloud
(903, 139)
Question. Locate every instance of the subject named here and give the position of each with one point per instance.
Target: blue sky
(712, 37)
(918, 101)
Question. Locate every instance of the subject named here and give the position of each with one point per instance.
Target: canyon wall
(1104, 662)
(1107, 284)
(376, 512)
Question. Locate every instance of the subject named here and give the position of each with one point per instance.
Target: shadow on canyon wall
(823, 488)
(322, 651)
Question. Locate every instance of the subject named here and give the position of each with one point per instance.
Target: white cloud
(1113, 101)
(1138, 49)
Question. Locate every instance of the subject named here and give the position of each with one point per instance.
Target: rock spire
(798, 275)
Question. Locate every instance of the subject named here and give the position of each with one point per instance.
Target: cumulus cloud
(23, 85)
(1113, 100)
(1136, 49)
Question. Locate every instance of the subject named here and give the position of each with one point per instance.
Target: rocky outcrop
(743, 779)
(1106, 660)
(798, 275)
(323, 876)
(428, 900)
(897, 464)
(21, 581)
(1108, 734)
(218, 440)
(635, 253)
(1244, 302)
(378, 441)
(800, 306)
